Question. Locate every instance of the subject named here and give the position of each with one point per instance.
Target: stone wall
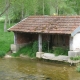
(26, 37)
(74, 46)
(22, 39)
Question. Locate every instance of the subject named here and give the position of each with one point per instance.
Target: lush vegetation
(16, 10)
(31, 49)
(19, 9)
(78, 68)
(2, 54)
(6, 39)
(75, 58)
(60, 51)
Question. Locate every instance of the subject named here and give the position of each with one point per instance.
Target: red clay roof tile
(48, 24)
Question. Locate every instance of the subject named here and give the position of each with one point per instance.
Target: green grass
(32, 48)
(75, 58)
(27, 50)
(78, 68)
(6, 38)
(60, 51)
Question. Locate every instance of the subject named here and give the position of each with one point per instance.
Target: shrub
(78, 68)
(44, 46)
(31, 49)
(34, 48)
(60, 51)
(2, 54)
(25, 50)
(75, 58)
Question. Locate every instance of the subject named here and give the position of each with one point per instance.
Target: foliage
(6, 39)
(44, 46)
(75, 58)
(60, 51)
(20, 9)
(31, 49)
(78, 68)
(2, 54)
(34, 48)
(26, 50)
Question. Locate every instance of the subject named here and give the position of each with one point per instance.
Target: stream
(29, 69)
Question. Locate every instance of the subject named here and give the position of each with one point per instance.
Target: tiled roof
(47, 24)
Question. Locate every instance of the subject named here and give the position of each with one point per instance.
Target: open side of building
(57, 30)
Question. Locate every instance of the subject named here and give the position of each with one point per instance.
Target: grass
(78, 68)
(32, 48)
(29, 50)
(75, 58)
(6, 38)
(60, 51)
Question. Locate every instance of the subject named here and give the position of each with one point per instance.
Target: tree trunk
(9, 21)
(6, 15)
(43, 7)
(22, 10)
(57, 7)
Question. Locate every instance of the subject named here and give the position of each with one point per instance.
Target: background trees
(15, 10)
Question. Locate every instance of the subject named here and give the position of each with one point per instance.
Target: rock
(7, 56)
(48, 56)
(24, 56)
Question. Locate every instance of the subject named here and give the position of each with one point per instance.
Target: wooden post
(15, 38)
(40, 42)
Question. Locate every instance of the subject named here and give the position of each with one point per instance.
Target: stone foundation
(16, 47)
(39, 54)
(73, 53)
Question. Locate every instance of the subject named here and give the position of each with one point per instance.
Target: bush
(31, 49)
(45, 46)
(75, 58)
(26, 50)
(60, 51)
(6, 38)
(2, 54)
(78, 68)
(34, 48)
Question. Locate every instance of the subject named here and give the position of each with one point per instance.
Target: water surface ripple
(27, 69)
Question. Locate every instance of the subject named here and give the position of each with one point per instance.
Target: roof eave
(75, 31)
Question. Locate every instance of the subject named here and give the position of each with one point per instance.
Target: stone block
(39, 54)
(48, 56)
(14, 48)
(73, 53)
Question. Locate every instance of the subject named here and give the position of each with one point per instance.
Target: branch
(5, 10)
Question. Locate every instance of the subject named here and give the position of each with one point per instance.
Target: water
(26, 69)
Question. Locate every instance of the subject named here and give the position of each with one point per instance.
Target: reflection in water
(26, 69)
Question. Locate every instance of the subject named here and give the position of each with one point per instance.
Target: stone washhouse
(59, 30)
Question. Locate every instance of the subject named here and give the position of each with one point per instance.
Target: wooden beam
(40, 42)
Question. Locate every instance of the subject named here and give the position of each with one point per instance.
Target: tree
(7, 3)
